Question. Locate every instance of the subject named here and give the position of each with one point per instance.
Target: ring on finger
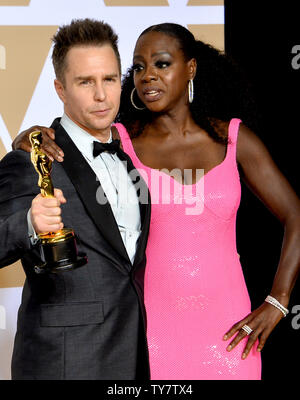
(247, 329)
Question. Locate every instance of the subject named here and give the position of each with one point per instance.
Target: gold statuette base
(59, 252)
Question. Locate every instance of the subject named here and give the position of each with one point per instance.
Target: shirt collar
(82, 139)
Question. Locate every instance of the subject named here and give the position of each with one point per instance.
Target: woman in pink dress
(179, 122)
(177, 112)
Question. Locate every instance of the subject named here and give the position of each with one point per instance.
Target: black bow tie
(112, 147)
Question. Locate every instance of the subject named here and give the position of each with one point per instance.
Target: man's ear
(60, 90)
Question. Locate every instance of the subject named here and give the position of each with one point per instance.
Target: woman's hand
(262, 321)
(49, 147)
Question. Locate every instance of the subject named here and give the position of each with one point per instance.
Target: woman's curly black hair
(221, 90)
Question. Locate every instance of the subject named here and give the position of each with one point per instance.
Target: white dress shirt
(116, 184)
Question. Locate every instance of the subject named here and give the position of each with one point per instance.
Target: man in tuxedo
(87, 323)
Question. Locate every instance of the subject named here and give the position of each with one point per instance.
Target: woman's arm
(266, 181)
(49, 147)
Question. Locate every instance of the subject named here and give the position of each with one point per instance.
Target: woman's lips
(152, 94)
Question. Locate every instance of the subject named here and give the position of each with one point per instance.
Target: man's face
(92, 88)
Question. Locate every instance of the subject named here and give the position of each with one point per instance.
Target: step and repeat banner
(27, 95)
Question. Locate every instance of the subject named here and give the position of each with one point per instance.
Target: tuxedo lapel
(144, 200)
(88, 187)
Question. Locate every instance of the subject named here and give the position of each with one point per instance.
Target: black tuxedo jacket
(88, 323)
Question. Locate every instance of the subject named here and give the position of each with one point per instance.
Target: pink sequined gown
(194, 284)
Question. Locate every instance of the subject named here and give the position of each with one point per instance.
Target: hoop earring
(132, 102)
(191, 90)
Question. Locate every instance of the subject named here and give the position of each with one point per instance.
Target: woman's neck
(171, 123)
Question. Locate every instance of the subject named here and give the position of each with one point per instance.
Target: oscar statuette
(58, 250)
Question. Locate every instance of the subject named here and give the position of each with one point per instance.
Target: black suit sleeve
(18, 186)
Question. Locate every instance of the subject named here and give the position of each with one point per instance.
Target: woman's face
(161, 73)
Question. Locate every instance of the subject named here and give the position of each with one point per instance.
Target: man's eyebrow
(88, 77)
(83, 78)
(111, 75)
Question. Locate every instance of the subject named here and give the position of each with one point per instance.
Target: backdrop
(264, 37)
(27, 95)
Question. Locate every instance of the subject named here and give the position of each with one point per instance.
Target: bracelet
(275, 303)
